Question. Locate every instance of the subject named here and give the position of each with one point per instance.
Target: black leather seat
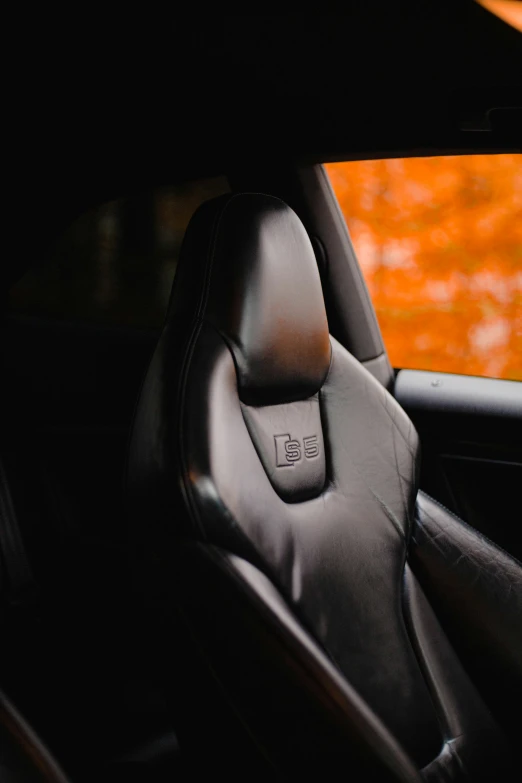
(336, 621)
(23, 757)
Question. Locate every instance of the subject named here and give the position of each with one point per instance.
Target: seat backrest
(278, 479)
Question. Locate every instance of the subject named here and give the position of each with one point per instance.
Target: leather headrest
(249, 264)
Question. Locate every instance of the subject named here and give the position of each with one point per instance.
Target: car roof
(108, 111)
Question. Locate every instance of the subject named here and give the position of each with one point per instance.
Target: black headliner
(113, 110)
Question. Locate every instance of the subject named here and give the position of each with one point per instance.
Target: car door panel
(471, 433)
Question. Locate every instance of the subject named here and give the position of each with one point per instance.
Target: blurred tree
(440, 243)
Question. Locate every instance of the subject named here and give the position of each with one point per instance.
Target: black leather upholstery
(23, 758)
(274, 484)
(279, 341)
(477, 590)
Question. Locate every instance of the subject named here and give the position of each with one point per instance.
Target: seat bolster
(291, 697)
(476, 590)
(23, 757)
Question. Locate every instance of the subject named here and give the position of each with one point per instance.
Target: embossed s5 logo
(289, 451)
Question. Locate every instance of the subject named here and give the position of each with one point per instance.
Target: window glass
(439, 241)
(116, 263)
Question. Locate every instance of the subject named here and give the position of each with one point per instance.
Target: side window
(116, 263)
(439, 241)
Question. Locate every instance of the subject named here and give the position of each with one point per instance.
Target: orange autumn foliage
(509, 11)
(439, 241)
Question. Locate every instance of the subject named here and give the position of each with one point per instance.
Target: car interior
(236, 540)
